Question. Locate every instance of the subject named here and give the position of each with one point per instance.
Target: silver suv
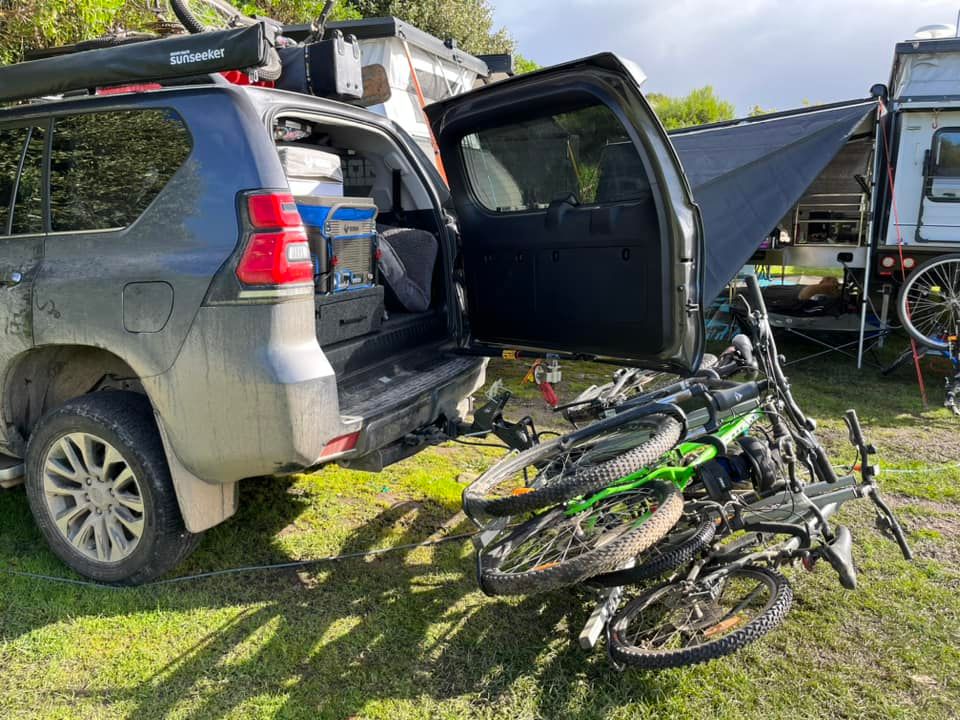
(161, 309)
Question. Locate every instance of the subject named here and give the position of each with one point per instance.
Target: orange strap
(896, 222)
(423, 104)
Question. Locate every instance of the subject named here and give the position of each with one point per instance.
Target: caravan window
(944, 180)
(947, 153)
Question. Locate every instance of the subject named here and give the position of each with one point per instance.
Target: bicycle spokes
(564, 540)
(690, 616)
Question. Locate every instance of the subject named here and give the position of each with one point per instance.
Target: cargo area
(378, 258)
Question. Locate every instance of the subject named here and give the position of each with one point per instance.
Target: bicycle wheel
(685, 623)
(681, 545)
(547, 474)
(557, 550)
(929, 302)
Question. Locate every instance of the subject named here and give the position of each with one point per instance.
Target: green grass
(409, 635)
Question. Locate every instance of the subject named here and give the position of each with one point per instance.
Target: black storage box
(344, 316)
(327, 68)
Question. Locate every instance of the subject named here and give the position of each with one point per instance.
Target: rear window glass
(28, 207)
(11, 153)
(106, 168)
(584, 156)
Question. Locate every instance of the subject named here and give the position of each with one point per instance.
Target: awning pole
(864, 301)
(868, 263)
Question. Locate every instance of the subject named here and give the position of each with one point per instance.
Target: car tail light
(274, 210)
(276, 249)
(909, 263)
(276, 258)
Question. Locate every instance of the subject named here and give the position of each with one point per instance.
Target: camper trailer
(867, 190)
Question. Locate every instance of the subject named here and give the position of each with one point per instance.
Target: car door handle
(9, 279)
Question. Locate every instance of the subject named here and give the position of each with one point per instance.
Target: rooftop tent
(747, 174)
(443, 69)
(926, 70)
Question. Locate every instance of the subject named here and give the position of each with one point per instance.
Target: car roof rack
(150, 61)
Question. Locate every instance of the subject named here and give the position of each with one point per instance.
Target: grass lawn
(408, 635)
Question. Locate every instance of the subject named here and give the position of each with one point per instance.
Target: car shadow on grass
(336, 640)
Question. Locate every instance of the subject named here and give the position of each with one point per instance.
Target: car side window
(106, 168)
(584, 156)
(12, 142)
(28, 206)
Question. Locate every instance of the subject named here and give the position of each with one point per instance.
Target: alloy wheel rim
(93, 497)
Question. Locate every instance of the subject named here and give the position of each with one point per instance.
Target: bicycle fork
(886, 520)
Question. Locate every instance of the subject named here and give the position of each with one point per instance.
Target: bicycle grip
(729, 398)
(754, 296)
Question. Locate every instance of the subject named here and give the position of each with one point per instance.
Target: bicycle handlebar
(728, 398)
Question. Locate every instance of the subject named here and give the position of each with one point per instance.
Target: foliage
(523, 64)
(756, 111)
(28, 24)
(469, 22)
(298, 11)
(701, 106)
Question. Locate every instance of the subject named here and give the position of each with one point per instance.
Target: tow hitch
(488, 419)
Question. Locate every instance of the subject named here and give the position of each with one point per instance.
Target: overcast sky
(773, 53)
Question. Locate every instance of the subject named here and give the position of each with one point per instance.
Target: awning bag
(150, 61)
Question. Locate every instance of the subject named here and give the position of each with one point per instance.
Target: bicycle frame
(680, 475)
(826, 497)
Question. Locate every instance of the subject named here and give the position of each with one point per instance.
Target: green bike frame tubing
(680, 476)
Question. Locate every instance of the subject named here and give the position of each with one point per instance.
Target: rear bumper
(251, 393)
(441, 392)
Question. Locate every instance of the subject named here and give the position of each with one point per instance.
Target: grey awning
(747, 174)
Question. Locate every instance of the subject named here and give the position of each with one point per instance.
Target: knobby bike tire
(477, 500)
(609, 551)
(626, 653)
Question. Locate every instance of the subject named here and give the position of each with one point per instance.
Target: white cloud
(769, 52)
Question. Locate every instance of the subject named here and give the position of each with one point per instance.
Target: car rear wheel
(100, 489)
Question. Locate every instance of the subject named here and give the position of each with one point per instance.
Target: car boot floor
(399, 334)
(400, 380)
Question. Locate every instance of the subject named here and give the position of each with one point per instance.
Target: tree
(297, 11)
(756, 111)
(701, 106)
(469, 22)
(523, 64)
(28, 24)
